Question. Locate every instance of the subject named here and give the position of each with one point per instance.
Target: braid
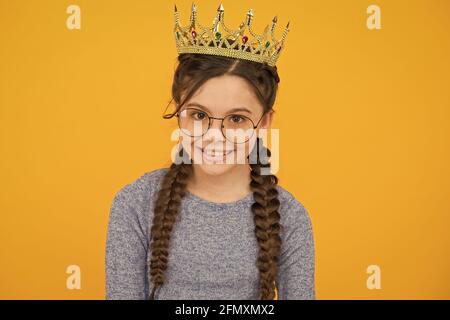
(267, 226)
(165, 214)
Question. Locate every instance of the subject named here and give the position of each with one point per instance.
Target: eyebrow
(195, 104)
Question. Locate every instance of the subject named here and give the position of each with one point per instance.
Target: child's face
(217, 98)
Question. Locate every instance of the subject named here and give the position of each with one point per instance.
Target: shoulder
(139, 192)
(296, 228)
(132, 204)
(142, 185)
(292, 211)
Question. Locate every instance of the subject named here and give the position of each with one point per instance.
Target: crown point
(267, 51)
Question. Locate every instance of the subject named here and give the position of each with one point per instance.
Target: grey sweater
(213, 248)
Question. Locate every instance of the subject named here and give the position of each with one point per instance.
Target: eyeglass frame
(221, 124)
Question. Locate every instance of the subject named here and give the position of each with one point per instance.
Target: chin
(215, 169)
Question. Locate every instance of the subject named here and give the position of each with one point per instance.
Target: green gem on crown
(250, 50)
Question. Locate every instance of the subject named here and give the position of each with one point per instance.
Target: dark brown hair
(192, 71)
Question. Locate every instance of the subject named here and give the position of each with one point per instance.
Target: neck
(227, 187)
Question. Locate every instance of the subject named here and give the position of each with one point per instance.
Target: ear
(266, 121)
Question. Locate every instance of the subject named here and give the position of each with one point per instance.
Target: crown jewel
(220, 40)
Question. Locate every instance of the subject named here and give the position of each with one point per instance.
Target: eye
(236, 118)
(198, 115)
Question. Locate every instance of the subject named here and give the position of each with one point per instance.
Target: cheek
(187, 143)
(192, 147)
(243, 150)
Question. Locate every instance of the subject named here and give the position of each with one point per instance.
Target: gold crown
(194, 38)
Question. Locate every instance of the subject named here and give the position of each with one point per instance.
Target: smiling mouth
(213, 156)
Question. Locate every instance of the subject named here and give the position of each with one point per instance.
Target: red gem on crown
(281, 46)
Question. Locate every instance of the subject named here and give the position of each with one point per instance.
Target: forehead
(226, 92)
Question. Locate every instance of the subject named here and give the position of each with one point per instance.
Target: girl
(206, 227)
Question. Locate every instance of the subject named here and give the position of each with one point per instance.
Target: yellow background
(363, 118)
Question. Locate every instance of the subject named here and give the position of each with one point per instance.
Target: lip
(218, 158)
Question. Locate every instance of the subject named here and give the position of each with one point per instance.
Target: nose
(216, 123)
(214, 132)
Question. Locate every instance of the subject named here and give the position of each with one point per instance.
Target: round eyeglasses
(235, 128)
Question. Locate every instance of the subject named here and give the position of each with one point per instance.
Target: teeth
(214, 153)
